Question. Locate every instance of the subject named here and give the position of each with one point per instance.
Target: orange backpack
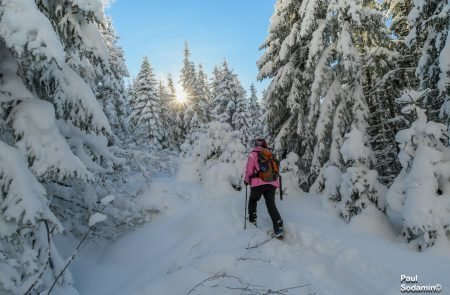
(268, 165)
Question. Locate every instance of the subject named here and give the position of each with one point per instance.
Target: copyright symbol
(438, 288)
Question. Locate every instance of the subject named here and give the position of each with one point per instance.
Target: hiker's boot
(278, 229)
(252, 219)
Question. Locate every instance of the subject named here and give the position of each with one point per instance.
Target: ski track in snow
(200, 234)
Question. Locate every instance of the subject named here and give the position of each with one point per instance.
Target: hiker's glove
(246, 183)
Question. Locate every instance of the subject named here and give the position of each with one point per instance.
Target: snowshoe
(279, 232)
(279, 235)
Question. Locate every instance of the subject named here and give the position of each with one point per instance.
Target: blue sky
(214, 29)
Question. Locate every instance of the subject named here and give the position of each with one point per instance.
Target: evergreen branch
(71, 201)
(48, 257)
(62, 209)
(386, 77)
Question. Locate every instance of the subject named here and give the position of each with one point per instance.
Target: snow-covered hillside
(197, 245)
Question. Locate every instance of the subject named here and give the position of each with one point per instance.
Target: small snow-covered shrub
(127, 181)
(355, 187)
(420, 195)
(289, 169)
(217, 157)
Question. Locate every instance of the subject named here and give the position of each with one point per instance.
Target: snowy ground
(199, 234)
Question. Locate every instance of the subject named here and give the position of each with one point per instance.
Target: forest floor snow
(197, 245)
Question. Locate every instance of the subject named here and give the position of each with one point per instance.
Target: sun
(180, 95)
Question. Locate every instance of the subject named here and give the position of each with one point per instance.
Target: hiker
(260, 187)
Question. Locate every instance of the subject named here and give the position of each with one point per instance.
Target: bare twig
(218, 275)
(254, 259)
(244, 287)
(72, 257)
(285, 290)
(259, 243)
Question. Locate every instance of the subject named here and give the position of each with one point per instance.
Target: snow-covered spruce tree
(418, 200)
(234, 104)
(93, 54)
(198, 105)
(53, 133)
(131, 97)
(227, 90)
(294, 59)
(429, 36)
(265, 129)
(280, 61)
(198, 108)
(176, 110)
(146, 115)
(242, 118)
(167, 98)
(111, 91)
(204, 96)
(348, 32)
(215, 83)
(189, 82)
(78, 27)
(256, 116)
(188, 74)
(386, 79)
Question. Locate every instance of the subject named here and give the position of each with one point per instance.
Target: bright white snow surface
(199, 233)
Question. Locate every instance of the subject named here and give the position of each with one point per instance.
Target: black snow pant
(268, 191)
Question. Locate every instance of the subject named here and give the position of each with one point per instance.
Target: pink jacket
(252, 167)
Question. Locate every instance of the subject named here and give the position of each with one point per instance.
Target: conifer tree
(255, 113)
(111, 92)
(317, 92)
(227, 90)
(188, 74)
(242, 119)
(176, 110)
(146, 114)
(419, 195)
(430, 37)
(204, 96)
(131, 96)
(342, 136)
(189, 82)
(215, 82)
(167, 111)
(279, 63)
(53, 134)
(387, 79)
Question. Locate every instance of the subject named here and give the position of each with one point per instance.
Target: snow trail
(200, 234)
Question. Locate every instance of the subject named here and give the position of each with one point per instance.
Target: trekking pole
(281, 188)
(245, 209)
